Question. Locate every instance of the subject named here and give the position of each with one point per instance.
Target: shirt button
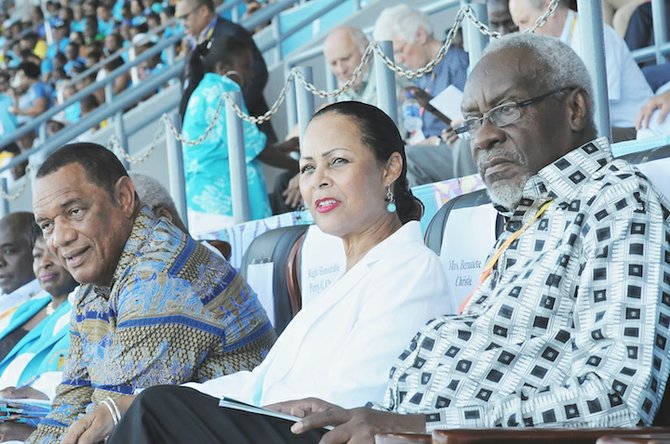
(513, 225)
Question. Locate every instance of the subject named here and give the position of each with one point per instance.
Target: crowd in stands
(133, 329)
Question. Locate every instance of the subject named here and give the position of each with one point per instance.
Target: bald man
(343, 50)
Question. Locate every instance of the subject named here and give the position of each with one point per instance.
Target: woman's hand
(97, 425)
(660, 102)
(22, 393)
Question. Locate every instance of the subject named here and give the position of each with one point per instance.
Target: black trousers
(173, 414)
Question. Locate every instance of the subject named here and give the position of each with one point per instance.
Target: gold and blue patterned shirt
(175, 313)
(572, 327)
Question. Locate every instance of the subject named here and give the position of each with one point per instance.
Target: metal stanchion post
(239, 186)
(175, 160)
(475, 40)
(304, 99)
(593, 54)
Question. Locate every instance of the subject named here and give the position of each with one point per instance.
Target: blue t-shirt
(39, 90)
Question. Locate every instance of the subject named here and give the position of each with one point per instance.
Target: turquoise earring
(390, 206)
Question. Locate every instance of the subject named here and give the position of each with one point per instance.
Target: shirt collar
(561, 180)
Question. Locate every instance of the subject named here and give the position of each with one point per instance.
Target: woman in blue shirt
(223, 64)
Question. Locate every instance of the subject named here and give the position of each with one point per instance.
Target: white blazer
(341, 346)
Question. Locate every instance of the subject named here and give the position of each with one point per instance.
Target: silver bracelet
(116, 409)
(111, 411)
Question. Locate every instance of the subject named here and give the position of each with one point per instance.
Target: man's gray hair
(154, 195)
(357, 36)
(560, 66)
(402, 22)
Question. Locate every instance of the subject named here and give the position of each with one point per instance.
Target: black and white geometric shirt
(572, 327)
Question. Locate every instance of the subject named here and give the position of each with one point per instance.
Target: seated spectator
(353, 180)
(627, 88)
(106, 23)
(343, 50)
(414, 45)
(17, 281)
(500, 19)
(73, 58)
(33, 368)
(35, 97)
(568, 327)
(223, 65)
(91, 33)
(162, 321)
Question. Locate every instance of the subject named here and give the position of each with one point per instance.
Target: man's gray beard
(508, 194)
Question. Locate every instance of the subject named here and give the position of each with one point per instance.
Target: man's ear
(579, 108)
(124, 195)
(421, 36)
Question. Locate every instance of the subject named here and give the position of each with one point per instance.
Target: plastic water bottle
(411, 112)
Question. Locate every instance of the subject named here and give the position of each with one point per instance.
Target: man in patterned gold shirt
(570, 326)
(155, 306)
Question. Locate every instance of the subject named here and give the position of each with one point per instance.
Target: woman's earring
(390, 206)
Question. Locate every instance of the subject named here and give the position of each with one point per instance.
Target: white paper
(322, 263)
(448, 102)
(464, 257)
(657, 172)
(259, 278)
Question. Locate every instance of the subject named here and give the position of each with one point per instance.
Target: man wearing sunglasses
(569, 324)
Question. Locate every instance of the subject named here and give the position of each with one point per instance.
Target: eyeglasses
(499, 116)
(185, 16)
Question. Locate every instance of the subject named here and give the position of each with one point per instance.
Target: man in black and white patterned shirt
(570, 324)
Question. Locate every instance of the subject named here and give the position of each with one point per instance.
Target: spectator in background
(35, 97)
(218, 66)
(18, 283)
(7, 119)
(91, 33)
(414, 45)
(78, 21)
(61, 30)
(500, 19)
(201, 23)
(627, 88)
(106, 22)
(73, 58)
(343, 50)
